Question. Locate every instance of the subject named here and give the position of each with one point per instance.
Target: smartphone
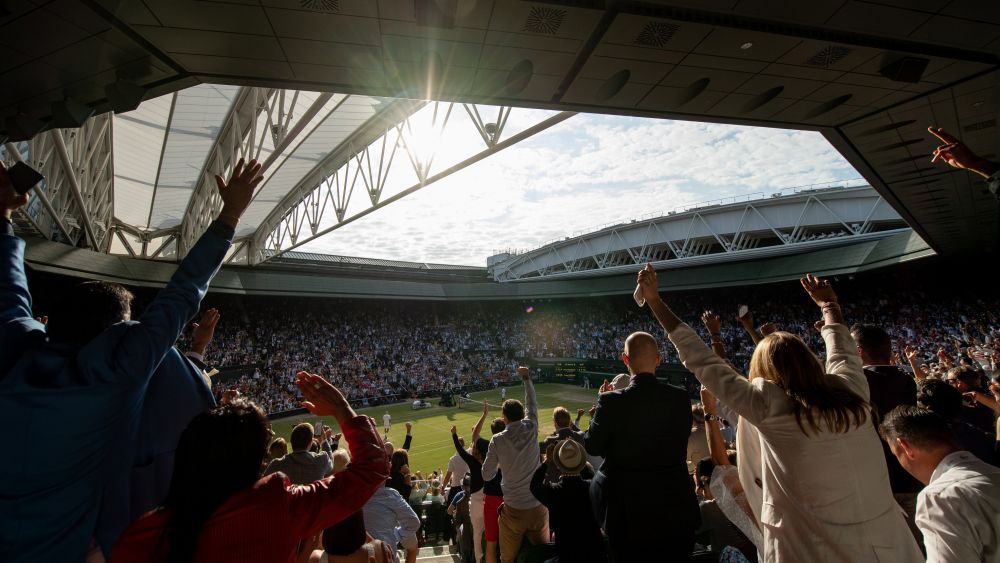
(23, 177)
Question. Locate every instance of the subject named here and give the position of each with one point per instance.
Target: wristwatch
(711, 416)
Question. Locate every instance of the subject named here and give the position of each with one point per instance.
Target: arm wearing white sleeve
(715, 373)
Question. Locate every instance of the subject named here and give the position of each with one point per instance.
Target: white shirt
(458, 469)
(959, 511)
(385, 419)
(515, 451)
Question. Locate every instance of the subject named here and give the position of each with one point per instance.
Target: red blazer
(265, 522)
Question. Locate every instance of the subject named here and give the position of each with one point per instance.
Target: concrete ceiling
(824, 65)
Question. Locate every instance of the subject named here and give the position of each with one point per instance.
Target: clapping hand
(238, 191)
(322, 398)
(648, 284)
(819, 290)
(203, 331)
(712, 322)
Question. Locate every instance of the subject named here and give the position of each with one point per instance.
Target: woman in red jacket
(220, 509)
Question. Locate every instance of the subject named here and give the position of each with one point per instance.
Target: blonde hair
(784, 359)
(561, 417)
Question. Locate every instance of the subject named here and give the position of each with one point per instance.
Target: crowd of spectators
(386, 353)
(150, 467)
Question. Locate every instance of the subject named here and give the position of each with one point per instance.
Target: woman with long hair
(826, 494)
(219, 508)
(399, 473)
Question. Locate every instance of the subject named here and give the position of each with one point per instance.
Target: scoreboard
(568, 370)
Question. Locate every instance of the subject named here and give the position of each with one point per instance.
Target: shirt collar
(949, 461)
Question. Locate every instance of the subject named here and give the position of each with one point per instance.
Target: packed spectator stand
(153, 467)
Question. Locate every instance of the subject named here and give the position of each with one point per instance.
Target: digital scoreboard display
(569, 370)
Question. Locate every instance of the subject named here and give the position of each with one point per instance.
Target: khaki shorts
(515, 524)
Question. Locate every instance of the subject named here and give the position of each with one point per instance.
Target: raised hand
(745, 316)
(454, 429)
(9, 198)
(605, 387)
(707, 400)
(648, 283)
(712, 322)
(409, 426)
(768, 328)
(957, 155)
(323, 399)
(238, 191)
(486, 407)
(818, 325)
(579, 412)
(523, 373)
(819, 290)
(203, 331)
(550, 454)
(911, 353)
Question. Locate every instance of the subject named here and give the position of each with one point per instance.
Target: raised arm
(15, 300)
(912, 356)
(477, 430)
(327, 501)
(713, 323)
(712, 371)
(842, 358)
(492, 462)
(530, 400)
(145, 342)
(539, 488)
(466, 456)
(746, 320)
(716, 445)
(408, 441)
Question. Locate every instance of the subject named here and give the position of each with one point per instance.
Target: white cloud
(586, 171)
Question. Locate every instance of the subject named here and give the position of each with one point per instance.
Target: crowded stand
(383, 353)
(865, 416)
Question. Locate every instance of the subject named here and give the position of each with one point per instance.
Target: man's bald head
(642, 353)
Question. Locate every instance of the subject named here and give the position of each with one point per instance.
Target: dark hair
(498, 426)
(920, 427)
(704, 468)
(220, 453)
(302, 436)
(874, 340)
(86, 310)
(513, 410)
(482, 447)
(397, 460)
(347, 536)
(967, 374)
(939, 396)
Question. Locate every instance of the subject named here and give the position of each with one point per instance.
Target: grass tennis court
(432, 445)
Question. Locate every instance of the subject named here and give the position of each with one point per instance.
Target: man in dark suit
(889, 387)
(642, 494)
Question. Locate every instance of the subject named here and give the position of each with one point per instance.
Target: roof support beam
(74, 186)
(276, 244)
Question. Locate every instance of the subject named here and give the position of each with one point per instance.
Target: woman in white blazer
(826, 493)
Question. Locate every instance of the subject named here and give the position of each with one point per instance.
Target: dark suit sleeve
(539, 488)
(598, 436)
(407, 442)
(146, 342)
(15, 300)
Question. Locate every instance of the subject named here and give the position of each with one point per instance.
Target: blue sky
(583, 172)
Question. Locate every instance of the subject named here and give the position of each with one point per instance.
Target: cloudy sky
(581, 173)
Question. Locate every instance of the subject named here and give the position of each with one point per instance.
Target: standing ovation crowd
(149, 466)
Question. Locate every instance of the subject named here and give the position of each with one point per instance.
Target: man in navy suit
(642, 493)
(88, 370)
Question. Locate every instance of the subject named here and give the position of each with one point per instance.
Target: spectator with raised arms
(826, 492)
